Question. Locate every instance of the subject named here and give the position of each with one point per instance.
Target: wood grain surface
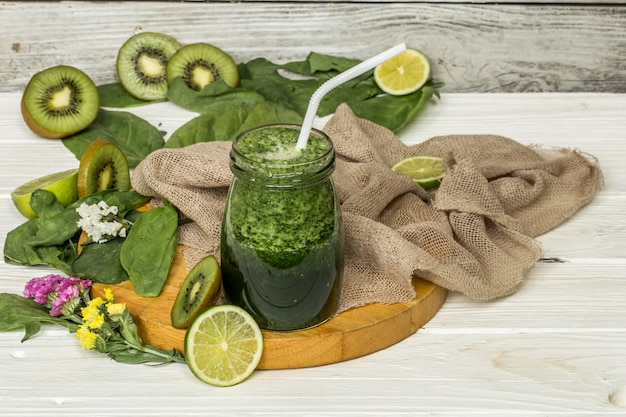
(349, 335)
(555, 348)
(473, 47)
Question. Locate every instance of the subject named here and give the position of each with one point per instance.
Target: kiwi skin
(102, 166)
(142, 63)
(59, 122)
(199, 290)
(199, 64)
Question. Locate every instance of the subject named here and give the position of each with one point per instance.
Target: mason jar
(282, 240)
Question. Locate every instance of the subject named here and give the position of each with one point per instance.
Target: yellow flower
(96, 323)
(116, 309)
(108, 295)
(91, 313)
(87, 338)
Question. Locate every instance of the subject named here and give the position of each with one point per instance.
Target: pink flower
(55, 291)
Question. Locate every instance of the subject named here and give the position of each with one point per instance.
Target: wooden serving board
(351, 334)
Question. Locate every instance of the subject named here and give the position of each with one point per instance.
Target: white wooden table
(555, 348)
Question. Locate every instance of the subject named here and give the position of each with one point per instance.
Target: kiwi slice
(198, 291)
(142, 62)
(60, 101)
(102, 166)
(200, 64)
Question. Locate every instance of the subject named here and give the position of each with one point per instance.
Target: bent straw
(337, 80)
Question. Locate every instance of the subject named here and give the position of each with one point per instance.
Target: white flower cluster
(100, 222)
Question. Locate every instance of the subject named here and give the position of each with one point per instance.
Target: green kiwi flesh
(103, 166)
(60, 101)
(142, 64)
(198, 291)
(200, 64)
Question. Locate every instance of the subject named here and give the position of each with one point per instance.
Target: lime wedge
(223, 345)
(403, 74)
(61, 184)
(427, 171)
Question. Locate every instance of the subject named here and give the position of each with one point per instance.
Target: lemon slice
(223, 345)
(403, 74)
(427, 171)
(61, 184)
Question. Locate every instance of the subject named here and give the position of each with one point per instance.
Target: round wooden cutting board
(351, 334)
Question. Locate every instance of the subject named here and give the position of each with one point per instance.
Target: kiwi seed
(59, 101)
(198, 291)
(142, 62)
(102, 166)
(200, 64)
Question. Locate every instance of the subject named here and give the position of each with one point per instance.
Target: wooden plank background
(539, 46)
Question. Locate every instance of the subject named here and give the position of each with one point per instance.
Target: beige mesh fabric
(474, 234)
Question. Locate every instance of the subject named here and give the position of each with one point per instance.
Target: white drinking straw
(337, 80)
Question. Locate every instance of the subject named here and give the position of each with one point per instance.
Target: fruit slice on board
(59, 101)
(200, 64)
(198, 291)
(427, 171)
(61, 184)
(223, 345)
(103, 166)
(142, 64)
(403, 74)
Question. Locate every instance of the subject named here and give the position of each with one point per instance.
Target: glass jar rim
(324, 161)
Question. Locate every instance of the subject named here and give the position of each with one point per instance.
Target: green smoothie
(282, 244)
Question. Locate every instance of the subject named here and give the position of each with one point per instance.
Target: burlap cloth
(474, 234)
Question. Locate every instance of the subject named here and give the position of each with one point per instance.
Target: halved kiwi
(102, 166)
(200, 64)
(60, 101)
(198, 291)
(142, 62)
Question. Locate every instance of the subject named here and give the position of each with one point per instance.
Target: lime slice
(61, 184)
(403, 74)
(223, 345)
(427, 171)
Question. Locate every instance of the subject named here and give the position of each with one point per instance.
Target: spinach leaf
(216, 97)
(148, 250)
(114, 95)
(55, 230)
(17, 312)
(135, 137)
(101, 262)
(51, 239)
(272, 93)
(394, 112)
(226, 126)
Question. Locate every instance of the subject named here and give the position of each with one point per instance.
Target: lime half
(223, 345)
(427, 171)
(403, 74)
(61, 184)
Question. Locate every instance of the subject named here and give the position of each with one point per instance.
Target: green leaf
(51, 238)
(216, 97)
(226, 126)
(17, 312)
(115, 96)
(148, 250)
(394, 112)
(101, 262)
(135, 137)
